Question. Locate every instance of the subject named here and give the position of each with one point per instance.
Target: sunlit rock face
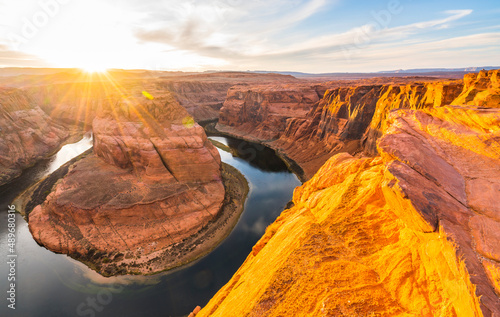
(201, 99)
(27, 133)
(481, 90)
(154, 179)
(411, 232)
(310, 123)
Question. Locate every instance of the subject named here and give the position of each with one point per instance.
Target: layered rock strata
(411, 232)
(27, 133)
(154, 180)
(310, 129)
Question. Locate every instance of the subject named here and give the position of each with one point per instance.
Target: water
(70, 151)
(49, 284)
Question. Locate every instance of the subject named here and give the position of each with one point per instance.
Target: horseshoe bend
(397, 215)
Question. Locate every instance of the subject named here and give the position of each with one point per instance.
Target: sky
(315, 36)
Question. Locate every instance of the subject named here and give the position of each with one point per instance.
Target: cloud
(240, 35)
(370, 33)
(10, 58)
(217, 29)
(253, 37)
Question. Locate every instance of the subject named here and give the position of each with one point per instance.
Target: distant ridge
(429, 70)
(438, 72)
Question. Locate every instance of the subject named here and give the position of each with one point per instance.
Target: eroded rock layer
(154, 179)
(27, 133)
(310, 130)
(411, 232)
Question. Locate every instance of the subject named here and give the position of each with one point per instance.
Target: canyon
(412, 230)
(398, 212)
(152, 181)
(309, 124)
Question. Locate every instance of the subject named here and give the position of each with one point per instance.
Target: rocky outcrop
(27, 133)
(481, 89)
(411, 232)
(203, 94)
(310, 130)
(153, 181)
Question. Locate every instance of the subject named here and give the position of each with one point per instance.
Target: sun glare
(94, 68)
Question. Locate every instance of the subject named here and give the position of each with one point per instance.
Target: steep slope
(481, 89)
(261, 112)
(386, 236)
(310, 130)
(27, 133)
(154, 180)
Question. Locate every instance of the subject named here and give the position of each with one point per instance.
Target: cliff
(201, 99)
(27, 133)
(309, 130)
(481, 89)
(74, 97)
(411, 232)
(153, 181)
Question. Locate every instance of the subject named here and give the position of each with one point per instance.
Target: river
(49, 284)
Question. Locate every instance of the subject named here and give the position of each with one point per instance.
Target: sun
(94, 68)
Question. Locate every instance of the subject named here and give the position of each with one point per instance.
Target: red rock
(27, 133)
(152, 182)
(437, 178)
(309, 130)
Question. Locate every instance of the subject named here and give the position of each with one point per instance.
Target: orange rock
(308, 129)
(343, 249)
(481, 90)
(386, 235)
(196, 310)
(151, 183)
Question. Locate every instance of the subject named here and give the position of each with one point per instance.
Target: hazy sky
(295, 35)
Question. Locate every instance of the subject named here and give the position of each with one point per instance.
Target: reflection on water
(51, 284)
(255, 154)
(70, 151)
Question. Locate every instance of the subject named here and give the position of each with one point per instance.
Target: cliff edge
(411, 232)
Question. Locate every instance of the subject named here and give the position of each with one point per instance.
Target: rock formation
(261, 112)
(309, 130)
(27, 133)
(413, 231)
(481, 89)
(74, 97)
(154, 179)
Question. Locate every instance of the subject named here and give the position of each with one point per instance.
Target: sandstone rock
(386, 235)
(481, 89)
(27, 133)
(343, 249)
(154, 179)
(344, 119)
(262, 111)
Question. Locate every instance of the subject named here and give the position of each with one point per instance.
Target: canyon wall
(153, 181)
(351, 119)
(201, 99)
(75, 97)
(309, 130)
(27, 133)
(413, 231)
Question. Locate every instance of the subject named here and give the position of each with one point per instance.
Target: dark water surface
(49, 284)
